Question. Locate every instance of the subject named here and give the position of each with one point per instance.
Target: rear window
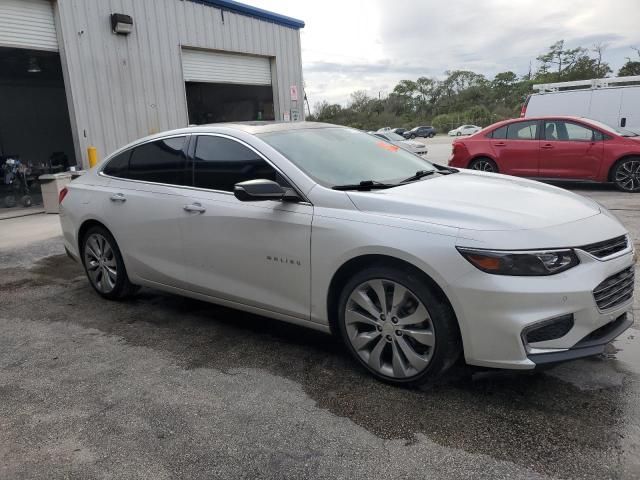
(161, 161)
(523, 131)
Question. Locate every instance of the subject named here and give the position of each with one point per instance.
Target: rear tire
(626, 175)
(104, 265)
(483, 164)
(409, 338)
(431, 135)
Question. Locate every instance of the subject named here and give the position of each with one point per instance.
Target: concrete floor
(165, 387)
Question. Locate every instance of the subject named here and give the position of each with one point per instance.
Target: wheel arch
(351, 266)
(84, 228)
(484, 155)
(624, 157)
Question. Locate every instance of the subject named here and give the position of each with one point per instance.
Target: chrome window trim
(305, 200)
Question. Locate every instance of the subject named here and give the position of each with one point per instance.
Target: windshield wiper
(364, 185)
(445, 170)
(418, 175)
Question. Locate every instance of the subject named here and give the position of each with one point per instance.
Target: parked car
(424, 131)
(464, 130)
(411, 263)
(554, 148)
(384, 129)
(614, 101)
(410, 145)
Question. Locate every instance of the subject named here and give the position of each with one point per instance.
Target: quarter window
(118, 166)
(220, 163)
(523, 131)
(499, 133)
(162, 161)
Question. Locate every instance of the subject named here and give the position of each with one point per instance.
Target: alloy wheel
(100, 261)
(482, 165)
(389, 328)
(628, 175)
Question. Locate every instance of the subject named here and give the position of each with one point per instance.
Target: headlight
(521, 263)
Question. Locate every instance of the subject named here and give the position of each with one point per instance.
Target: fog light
(548, 330)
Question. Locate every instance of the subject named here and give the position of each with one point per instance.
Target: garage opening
(223, 87)
(35, 131)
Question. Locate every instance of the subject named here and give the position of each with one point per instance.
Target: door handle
(500, 144)
(194, 207)
(547, 146)
(118, 197)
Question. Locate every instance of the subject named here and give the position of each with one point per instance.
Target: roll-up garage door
(216, 67)
(27, 24)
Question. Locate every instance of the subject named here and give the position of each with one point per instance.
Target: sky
(350, 45)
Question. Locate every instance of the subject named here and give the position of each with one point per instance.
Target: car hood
(478, 201)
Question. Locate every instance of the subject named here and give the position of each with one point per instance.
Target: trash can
(51, 184)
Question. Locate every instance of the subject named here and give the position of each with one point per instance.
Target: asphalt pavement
(161, 386)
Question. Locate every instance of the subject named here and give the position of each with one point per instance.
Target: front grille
(615, 290)
(556, 328)
(607, 247)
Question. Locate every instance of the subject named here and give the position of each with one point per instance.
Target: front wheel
(458, 134)
(484, 165)
(104, 266)
(395, 326)
(626, 175)
(413, 136)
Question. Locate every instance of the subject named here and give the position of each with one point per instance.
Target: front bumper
(495, 310)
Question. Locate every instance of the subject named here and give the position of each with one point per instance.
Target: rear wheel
(431, 135)
(104, 266)
(484, 165)
(626, 175)
(396, 326)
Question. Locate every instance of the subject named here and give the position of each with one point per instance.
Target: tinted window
(499, 133)
(118, 166)
(523, 131)
(161, 161)
(568, 131)
(220, 163)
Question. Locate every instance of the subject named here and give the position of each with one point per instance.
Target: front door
(570, 150)
(255, 253)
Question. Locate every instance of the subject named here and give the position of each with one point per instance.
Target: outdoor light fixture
(121, 24)
(33, 65)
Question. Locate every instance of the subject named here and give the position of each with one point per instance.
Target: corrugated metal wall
(121, 88)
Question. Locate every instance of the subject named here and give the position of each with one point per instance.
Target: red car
(554, 148)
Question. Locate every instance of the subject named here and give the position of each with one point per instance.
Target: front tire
(412, 136)
(397, 327)
(484, 165)
(104, 265)
(626, 175)
(458, 134)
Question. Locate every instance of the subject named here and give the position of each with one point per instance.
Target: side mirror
(258, 190)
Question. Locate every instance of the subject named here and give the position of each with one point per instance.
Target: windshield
(394, 136)
(617, 130)
(337, 156)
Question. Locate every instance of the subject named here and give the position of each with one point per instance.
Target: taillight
(62, 194)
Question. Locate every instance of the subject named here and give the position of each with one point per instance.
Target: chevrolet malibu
(410, 263)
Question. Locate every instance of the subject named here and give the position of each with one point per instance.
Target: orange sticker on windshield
(388, 146)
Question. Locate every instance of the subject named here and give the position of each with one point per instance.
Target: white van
(614, 101)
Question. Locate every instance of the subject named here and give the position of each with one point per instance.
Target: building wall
(121, 88)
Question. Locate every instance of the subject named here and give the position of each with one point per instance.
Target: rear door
(516, 148)
(570, 150)
(145, 208)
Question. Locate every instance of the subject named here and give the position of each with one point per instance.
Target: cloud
(372, 44)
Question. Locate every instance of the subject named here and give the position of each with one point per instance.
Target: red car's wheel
(484, 164)
(626, 175)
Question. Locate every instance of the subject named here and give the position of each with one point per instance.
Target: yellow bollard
(93, 156)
